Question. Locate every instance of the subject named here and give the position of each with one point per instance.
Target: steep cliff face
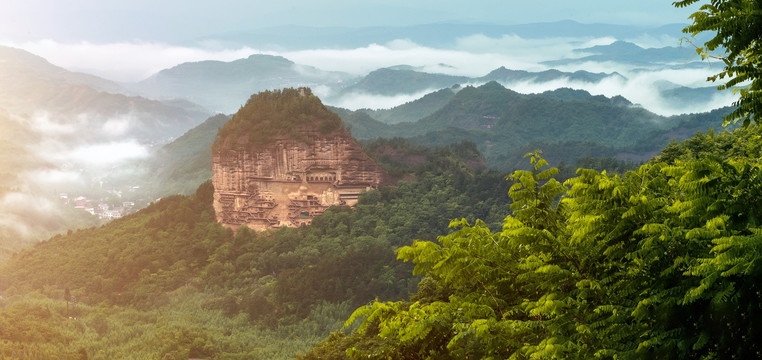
(303, 165)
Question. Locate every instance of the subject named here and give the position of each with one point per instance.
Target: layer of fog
(58, 159)
(641, 87)
(76, 153)
(472, 55)
(86, 140)
(20, 213)
(361, 100)
(123, 62)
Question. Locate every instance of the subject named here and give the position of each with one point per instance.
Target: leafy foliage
(744, 142)
(662, 262)
(737, 29)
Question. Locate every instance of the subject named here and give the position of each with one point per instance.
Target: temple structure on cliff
(288, 180)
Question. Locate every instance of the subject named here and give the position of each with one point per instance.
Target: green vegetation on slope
(567, 124)
(487, 116)
(170, 282)
(402, 81)
(272, 114)
(662, 262)
(180, 166)
(414, 110)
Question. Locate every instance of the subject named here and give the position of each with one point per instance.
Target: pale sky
(129, 40)
(172, 21)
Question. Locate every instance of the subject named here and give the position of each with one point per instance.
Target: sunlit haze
(113, 120)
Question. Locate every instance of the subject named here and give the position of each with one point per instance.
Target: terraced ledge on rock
(284, 159)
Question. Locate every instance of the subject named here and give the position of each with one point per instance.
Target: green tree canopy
(660, 263)
(289, 113)
(737, 25)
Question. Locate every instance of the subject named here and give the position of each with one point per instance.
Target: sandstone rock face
(289, 181)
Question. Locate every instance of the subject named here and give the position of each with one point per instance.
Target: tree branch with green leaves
(737, 28)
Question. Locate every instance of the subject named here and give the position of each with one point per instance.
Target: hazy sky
(182, 20)
(132, 40)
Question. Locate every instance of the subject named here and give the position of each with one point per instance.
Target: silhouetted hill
(572, 94)
(566, 124)
(503, 123)
(504, 75)
(225, 86)
(401, 81)
(30, 85)
(627, 52)
(413, 110)
(362, 125)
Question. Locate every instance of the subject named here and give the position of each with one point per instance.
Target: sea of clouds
(472, 56)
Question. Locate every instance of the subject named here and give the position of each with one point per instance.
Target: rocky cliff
(283, 159)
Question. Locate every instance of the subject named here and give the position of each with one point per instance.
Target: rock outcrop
(282, 160)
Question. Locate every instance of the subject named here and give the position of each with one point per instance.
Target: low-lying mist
(664, 92)
(94, 156)
(50, 161)
(472, 55)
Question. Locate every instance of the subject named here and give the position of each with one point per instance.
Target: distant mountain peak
(14, 55)
(569, 94)
(502, 74)
(266, 57)
(492, 86)
(618, 46)
(404, 67)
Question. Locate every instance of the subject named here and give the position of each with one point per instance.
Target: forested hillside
(661, 262)
(273, 114)
(567, 124)
(414, 110)
(169, 282)
(180, 166)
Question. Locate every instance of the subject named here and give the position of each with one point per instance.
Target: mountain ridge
(505, 125)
